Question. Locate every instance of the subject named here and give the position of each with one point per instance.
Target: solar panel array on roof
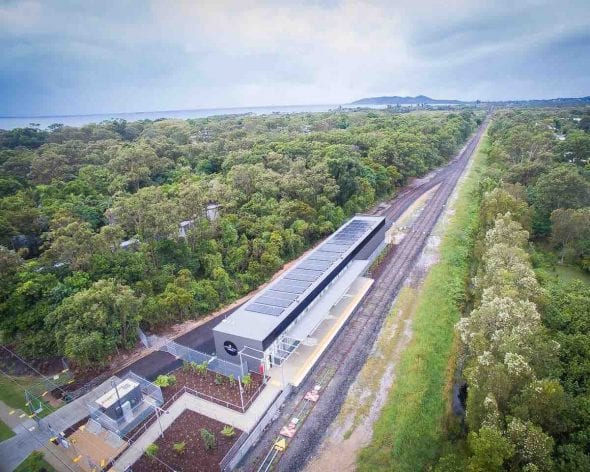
(283, 293)
(303, 275)
(291, 286)
(269, 300)
(323, 256)
(266, 309)
(314, 264)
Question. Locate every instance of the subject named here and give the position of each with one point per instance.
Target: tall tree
(138, 163)
(91, 324)
(570, 232)
(561, 187)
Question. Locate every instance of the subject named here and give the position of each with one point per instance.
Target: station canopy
(275, 300)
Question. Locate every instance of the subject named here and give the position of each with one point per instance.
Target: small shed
(184, 227)
(130, 244)
(121, 399)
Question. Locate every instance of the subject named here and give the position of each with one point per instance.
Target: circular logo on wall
(230, 348)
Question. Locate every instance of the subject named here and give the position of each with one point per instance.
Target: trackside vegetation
(408, 434)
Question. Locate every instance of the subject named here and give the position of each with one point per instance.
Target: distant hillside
(395, 100)
(424, 100)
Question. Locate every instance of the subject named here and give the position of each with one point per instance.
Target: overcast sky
(72, 57)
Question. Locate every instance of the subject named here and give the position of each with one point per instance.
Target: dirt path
(351, 430)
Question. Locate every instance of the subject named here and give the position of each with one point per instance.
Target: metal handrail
(229, 455)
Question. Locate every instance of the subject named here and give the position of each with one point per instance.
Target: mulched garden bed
(205, 384)
(195, 457)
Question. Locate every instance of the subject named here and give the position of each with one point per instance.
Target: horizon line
(70, 115)
(170, 110)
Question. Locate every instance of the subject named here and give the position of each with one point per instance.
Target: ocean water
(11, 122)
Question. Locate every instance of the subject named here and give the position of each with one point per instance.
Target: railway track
(338, 366)
(407, 197)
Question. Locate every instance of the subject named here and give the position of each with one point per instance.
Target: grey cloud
(77, 57)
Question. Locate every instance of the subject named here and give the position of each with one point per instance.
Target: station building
(269, 327)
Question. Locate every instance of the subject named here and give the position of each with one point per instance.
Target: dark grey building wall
(371, 245)
(239, 342)
(133, 397)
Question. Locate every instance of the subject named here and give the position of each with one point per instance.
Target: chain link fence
(214, 364)
(185, 353)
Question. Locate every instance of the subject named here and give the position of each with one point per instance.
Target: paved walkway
(12, 417)
(243, 421)
(31, 435)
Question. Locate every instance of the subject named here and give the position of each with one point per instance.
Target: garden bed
(225, 393)
(195, 457)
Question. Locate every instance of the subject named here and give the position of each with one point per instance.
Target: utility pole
(114, 384)
(159, 411)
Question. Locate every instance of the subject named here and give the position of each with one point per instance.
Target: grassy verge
(571, 273)
(5, 431)
(35, 463)
(359, 401)
(409, 433)
(12, 392)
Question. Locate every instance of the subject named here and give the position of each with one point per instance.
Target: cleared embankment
(408, 433)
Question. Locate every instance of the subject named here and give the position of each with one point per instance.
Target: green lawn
(408, 435)
(35, 463)
(12, 392)
(5, 431)
(570, 273)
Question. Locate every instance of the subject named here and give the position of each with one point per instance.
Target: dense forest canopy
(114, 225)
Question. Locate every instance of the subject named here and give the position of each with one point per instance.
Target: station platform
(328, 322)
(307, 323)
